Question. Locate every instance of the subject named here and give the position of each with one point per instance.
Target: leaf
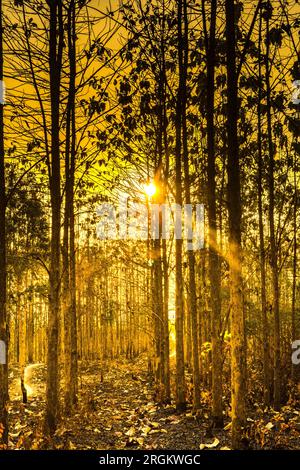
(225, 448)
(228, 426)
(71, 446)
(215, 443)
(154, 425)
(152, 410)
(130, 432)
(145, 430)
(275, 36)
(269, 426)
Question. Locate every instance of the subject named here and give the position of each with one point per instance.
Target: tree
(192, 290)
(55, 63)
(265, 333)
(214, 264)
(238, 375)
(3, 320)
(273, 248)
(69, 260)
(180, 372)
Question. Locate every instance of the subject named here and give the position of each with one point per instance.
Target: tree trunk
(192, 294)
(265, 331)
(295, 319)
(165, 263)
(55, 52)
(214, 265)
(238, 396)
(157, 258)
(167, 388)
(70, 326)
(273, 247)
(179, 307)
(3, 319)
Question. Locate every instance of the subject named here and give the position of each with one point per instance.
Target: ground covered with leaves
(117, 410)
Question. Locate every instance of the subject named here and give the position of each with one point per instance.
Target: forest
(149, 196)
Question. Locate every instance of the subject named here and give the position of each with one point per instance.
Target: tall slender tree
(265, 338)
(55, 64)
(179, 304)
(273, 244)
(192, 293)
(214, 264)
(3, 319)
(238, 363)
(69, 268)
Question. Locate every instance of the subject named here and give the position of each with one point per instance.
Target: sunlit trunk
(179, 305)
(238, 362)
(214, 265)
(192, 294)
(3, 320)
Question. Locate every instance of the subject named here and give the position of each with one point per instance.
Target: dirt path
(116, 413)
(120, 413)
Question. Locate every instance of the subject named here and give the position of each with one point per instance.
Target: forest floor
(119, 412)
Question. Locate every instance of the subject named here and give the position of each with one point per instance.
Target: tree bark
(214, 265)
(238, 395)
(69, 269)
(295, 319)
(55, 60)
(192, 294)
(3, 316)
(265, 333)
(273, 247)
(179, 307)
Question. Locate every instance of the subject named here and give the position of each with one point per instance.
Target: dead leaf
(154, 425)
(130, 432)
(72, 446)
(228, 426)
(215, 443)
(145, 430)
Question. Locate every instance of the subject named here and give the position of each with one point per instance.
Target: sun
(150, 189)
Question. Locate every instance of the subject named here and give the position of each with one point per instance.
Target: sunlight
(149, 229)
(150, 189)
